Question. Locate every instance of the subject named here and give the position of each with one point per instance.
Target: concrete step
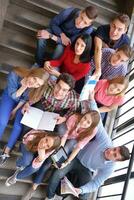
(35, 7)
(19, 189)
(25, 18)
(18, 40)
(103, 6)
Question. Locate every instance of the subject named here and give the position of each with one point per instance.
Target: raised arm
(97, 56)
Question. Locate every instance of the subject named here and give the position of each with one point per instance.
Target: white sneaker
(48, 198)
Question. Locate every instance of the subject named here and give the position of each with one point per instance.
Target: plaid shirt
(70, 103)
(109, 71)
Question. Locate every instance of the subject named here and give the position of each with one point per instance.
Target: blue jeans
(7, 104)
(83, 177)
(43, 53)
(26, 158)
(47, 164)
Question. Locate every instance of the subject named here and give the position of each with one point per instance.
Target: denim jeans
(84, 176)
(7, 104)
(26, 158)
(42, 52)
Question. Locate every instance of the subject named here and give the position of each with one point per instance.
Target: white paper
(32, 118)
(67, 187)
(39, 120)
(48, 121)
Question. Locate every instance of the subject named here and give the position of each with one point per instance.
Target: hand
(64, 164)
(25, 108)
(24, 84)
(97, 74)
(65, 40)
(78, 190)
(41, 154)
(43, 34)
(13, 113)
(60, 120)
(47, 66)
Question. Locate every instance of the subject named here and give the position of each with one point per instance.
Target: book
(67, 187)
(59, 156)
(88, 88)
(39, 120)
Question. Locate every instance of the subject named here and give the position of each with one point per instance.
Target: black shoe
(3, 158)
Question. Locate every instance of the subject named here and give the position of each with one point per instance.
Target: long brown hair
(120, 80)
(34, 93)
(88, 131)
(33, 145)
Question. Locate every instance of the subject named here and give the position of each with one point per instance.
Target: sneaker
(12, 179)
(56, 197)
(48, 198)
(28, 194)
(3, 158)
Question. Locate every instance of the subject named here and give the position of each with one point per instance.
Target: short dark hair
(124, 19)
(124, 151)
(91, 12)
(68, 79)
(87, 39)
(126, 49)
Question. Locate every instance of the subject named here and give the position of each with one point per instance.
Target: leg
(40, 51)
(57, 175)
(70, 145)
(6, 106)
(42, 171)
(17, 128)
(83, 177)
(60, 129)
(26, 157)
(27, 171)
(58, 51)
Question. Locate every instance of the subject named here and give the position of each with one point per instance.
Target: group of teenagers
(54, 84)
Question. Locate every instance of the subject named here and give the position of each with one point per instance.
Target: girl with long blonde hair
(22, 85)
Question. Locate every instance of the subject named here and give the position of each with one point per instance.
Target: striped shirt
(69, 104)
(109, 71)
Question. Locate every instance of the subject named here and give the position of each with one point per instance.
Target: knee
(3, 122)
(41, 42)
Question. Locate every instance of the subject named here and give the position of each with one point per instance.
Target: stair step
(103, 7)
(35, 7)
(18, 40)
(8, 61)
(19, 189)
(26, 18)
(14, 197)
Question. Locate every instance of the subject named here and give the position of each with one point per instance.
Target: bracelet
(50, 35)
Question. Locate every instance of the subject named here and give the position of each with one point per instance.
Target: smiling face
(34, 82)
(61, 89)
(79, 47)
(117, 28)
(118, 57)
(113, 154)
(82, 21)
(46, 143)
(115, 88)
(86, 121)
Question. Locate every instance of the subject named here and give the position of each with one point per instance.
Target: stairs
(17, 47)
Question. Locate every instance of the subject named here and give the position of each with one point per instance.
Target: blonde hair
(35, 94)
(120, 80)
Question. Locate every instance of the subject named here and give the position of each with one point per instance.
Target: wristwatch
(50, 35)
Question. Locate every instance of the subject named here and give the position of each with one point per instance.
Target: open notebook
(67, 187)
(39, 120)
